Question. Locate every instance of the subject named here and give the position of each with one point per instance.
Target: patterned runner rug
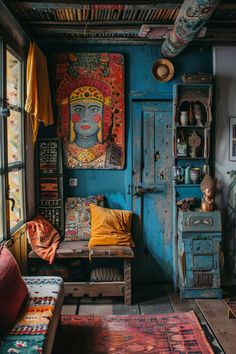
(154, 334)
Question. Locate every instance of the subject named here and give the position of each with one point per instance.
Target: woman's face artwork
(86, 115)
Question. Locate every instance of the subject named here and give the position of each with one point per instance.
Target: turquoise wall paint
(139, 85)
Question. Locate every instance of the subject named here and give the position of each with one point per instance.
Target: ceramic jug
(178, 173)
(187, 175)
(195, 174)
(183, 118)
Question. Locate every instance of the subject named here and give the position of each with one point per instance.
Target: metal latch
(4, 112)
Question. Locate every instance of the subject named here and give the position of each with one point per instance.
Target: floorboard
(95, 309)
(216, 314)
(120, 309)
(69, 310)
(152, 299)
(190, 305)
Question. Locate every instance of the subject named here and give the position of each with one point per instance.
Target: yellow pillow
(110, 227)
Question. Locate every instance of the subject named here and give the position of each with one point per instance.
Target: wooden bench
(79, 249)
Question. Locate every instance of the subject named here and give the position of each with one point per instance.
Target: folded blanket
(44, 238)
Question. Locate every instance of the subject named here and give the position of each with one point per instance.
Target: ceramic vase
(183, 119)
(195, 174)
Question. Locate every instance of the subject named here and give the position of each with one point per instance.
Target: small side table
(199, 247)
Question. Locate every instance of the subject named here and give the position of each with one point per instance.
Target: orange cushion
(43, 237)
(110, 227)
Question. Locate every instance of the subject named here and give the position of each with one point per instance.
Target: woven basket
(106, 274)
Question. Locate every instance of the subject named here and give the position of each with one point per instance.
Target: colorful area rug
(154, 334)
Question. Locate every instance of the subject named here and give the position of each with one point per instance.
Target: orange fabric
(38, 101)
(43, 237)
(110, 227)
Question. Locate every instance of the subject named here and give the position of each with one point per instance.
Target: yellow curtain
(38, 101)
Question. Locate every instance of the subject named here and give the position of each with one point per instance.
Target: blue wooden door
(152, 200)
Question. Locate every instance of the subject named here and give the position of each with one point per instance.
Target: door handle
(157, 156)
(140, 190)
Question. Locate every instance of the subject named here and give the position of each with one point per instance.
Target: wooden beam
(11, 30)
(74, 4)
(37, 4)
(59, 40)
(95, 289)
(104, 24)
(86, 30)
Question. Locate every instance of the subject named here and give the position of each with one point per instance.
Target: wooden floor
(156, 298)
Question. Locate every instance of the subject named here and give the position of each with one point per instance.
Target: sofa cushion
(13, 290)
(44, 238)
(78, 220)
(34, 330)
(110, 227)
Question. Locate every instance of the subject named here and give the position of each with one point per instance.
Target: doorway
(152, 190)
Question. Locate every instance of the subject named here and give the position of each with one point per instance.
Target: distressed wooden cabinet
(199, 245)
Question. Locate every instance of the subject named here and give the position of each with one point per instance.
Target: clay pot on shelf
(195, 175)
(183, 118)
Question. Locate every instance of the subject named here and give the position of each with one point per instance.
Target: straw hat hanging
(163, 70)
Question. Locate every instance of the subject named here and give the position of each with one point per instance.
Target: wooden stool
(79, 249)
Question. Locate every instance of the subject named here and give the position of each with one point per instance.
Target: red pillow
(13, 290)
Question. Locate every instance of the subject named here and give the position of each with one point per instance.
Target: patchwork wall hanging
(90, 105)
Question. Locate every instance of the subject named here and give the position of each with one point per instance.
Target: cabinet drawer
(203, 262)
(202, 246)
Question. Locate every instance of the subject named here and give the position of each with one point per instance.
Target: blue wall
(139, 85)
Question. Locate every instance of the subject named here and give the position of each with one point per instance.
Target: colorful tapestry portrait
(90, 104)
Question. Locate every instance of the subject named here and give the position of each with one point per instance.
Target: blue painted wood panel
(202, 262)
(152, 161)
(116, 185)
(202, 247)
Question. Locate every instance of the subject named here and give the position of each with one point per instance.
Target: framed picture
(232, 138)
(90, 109)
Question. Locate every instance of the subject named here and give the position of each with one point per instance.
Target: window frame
(5, 167)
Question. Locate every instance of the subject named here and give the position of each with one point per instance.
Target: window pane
(15, 184)
(14, 137)
(13, 80)
(1, 210)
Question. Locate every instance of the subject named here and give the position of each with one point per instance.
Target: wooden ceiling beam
(211, 23)
(131, 41)
(104, 24)
(83, 30)
(55, 4)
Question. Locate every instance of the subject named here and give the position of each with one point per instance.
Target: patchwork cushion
(78, 220)
(43, 237)
(13, 290)
(106, 274)
(110, 227)
(28, 335)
